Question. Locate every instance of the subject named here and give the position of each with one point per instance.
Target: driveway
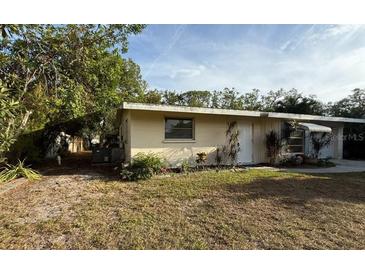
(342, 166)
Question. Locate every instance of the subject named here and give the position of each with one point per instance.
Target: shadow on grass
(340, 187)
(77, 164)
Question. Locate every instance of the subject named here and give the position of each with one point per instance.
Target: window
(296, 141)
(178, 128)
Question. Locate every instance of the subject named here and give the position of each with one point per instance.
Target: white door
(246, 143)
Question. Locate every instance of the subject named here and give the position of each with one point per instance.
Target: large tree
(293, 101)
(351, 106)
(61, 72)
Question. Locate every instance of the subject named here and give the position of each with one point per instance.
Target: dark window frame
(180, 139)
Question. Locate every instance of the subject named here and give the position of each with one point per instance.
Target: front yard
(254, 209)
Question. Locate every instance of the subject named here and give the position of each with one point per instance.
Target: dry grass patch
(255, 209)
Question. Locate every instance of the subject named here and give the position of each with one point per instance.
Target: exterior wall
(335, 148)
(261, 127)
(146, 129)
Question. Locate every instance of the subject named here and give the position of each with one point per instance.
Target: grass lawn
(255, 209)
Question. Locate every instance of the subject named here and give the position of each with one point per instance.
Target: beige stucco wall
(148, 136)
(144, 132)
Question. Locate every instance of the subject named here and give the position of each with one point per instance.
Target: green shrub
(28, 146)
(201, 158)
(291, 160)
(273, 146)
(11, 172)
(143, 167)
(185, 166)
(325, 163)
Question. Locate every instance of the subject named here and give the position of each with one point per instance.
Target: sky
(325, 60)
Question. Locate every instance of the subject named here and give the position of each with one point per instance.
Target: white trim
(306, 117)
(245, 113)
(182, 109)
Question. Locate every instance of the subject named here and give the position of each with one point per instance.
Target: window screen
(178, 128)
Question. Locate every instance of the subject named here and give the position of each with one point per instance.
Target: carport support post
(338, 139)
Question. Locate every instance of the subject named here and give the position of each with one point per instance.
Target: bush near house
(273, 146)
(143, 167)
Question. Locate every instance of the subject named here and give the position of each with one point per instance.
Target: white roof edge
(307, 117)
(248, 113)
(183, 109)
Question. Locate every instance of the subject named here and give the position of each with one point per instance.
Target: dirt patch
(5, 187)
(47, 198)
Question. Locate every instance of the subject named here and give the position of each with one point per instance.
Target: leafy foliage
(325, 163)
(291, 160)
(278, 101)
(201, 158)
(319, 141)
(295, 102)
(62, 72)
(273, 146)
(232, 147)
(218, 156)
(351, 106)
(185, 166)
(9, 121)
(143, 167)
(11, 172)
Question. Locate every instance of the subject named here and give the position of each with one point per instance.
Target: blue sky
(325, 60)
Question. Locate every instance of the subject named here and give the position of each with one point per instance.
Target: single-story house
(178, 133)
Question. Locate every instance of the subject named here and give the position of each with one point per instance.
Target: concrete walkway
(342, 166)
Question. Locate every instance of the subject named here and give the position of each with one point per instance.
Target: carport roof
(315, 128)
(231, 112)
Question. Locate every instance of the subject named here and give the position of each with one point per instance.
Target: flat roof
(231, 112)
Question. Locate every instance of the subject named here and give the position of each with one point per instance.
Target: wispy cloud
(326, 60)
(178, 32)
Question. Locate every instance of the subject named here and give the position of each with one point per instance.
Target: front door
(245, 156)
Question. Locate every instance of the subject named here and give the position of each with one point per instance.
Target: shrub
(143, 167)
(28, 146)
(291, 160)
(325, 163)
(11, 172)
(9, 121)
(232, 147)
(218, 156)
(273, 146)
(201, 158)
(185, 166)
(319, 141)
